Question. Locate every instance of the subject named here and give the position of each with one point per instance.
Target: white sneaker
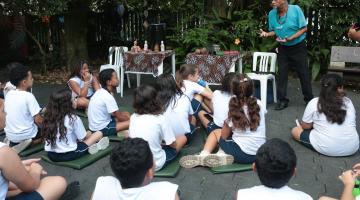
(216, 160)
(103, 143)
(192, 161)
(22, 145)
(93, 149)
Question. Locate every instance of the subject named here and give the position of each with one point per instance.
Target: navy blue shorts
(211, 126)
(305, 139)
(190, 136)
(110, 129)
(196, 106)
(27, 196)
(170, 154)
(230, 147)
(81, 150)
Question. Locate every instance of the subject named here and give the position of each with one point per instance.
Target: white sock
(220, 151)
(204, 153)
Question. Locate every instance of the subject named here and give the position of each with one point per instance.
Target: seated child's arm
(207, 93)
(225, 131)
(95, 83)
(38, 119)
(81, 92)
(305, 125)
(121, 116)
(177, 196)
(13, 170)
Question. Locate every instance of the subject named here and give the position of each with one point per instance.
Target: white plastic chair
(264, 70)
(116, 62)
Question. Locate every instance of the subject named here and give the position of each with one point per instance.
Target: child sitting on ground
(149, 123)
(329, 121)
(82, 84)
(22, 110)
(103, 111)
(220, 105)
(177, 106)
(275, 164)
(187, 79)
(242, 134)
(133, 165)
(22, 180)
(64, 133)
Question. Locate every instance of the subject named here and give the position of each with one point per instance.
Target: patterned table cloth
(212, 68)
(145, 62)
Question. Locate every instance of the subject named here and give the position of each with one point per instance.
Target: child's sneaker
(22, 145)
(93, 149)
(216, 160)
(103, 143)
(192, 161)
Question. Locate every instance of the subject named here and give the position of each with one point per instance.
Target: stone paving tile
(316, 174)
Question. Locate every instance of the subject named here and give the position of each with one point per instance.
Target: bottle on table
(162, 46)
(145, 46)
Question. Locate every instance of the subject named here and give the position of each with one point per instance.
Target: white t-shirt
(8, 87)
(330, 138)
(220, 103)
(74, 131)
(178, 114)
(81, 83)
(191, 88)
(108, 187)
(4, 184)
(20, 108)
(102, 104)
(250, 141)
(154, 129)
(262, 192)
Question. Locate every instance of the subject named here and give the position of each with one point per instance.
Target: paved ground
(316, 174)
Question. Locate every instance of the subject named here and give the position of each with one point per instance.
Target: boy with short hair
(133, 165)
(275, 164)
(22, 110)
(103, 111)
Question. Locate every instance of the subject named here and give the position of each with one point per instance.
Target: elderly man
(288, 24)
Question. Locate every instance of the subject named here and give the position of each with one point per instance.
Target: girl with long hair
(329, 121)
(83, 84)
(242, 134)
(64, 133)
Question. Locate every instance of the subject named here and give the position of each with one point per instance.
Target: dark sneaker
(281, 105)
(72, 191)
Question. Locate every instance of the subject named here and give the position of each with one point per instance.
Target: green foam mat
(126, 109)
(31, 150)
(115, 138)
(170, 170)
(82, 162)
(231, 168)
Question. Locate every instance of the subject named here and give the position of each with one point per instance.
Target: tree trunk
(218, 6)
(76, 32)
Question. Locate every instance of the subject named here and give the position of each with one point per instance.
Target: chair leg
(128, 80)
(122, 83)
(138, 80)
(118, 88)
(274, 91)
(263, 92)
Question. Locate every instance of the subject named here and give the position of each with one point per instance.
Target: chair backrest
(119, 55)
(266, 62)
(111, 55)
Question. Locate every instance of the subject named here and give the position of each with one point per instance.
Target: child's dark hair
(167, 90)
(331, 102)
(146, 101)
(77, 66)
(227, 81)
(275, 163)
(59, 106)
(104, 76)
(130, 162)
(184, 71)
(242, 88)
(18, 73)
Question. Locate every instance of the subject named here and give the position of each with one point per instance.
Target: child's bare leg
(192, 120)
(209, 105)
(52, 187)
(180, 142)
(212, 140)
(203, 119)
(296, 132)
(122, 125)
(82, 103)
(93, 138)
(198, 97)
